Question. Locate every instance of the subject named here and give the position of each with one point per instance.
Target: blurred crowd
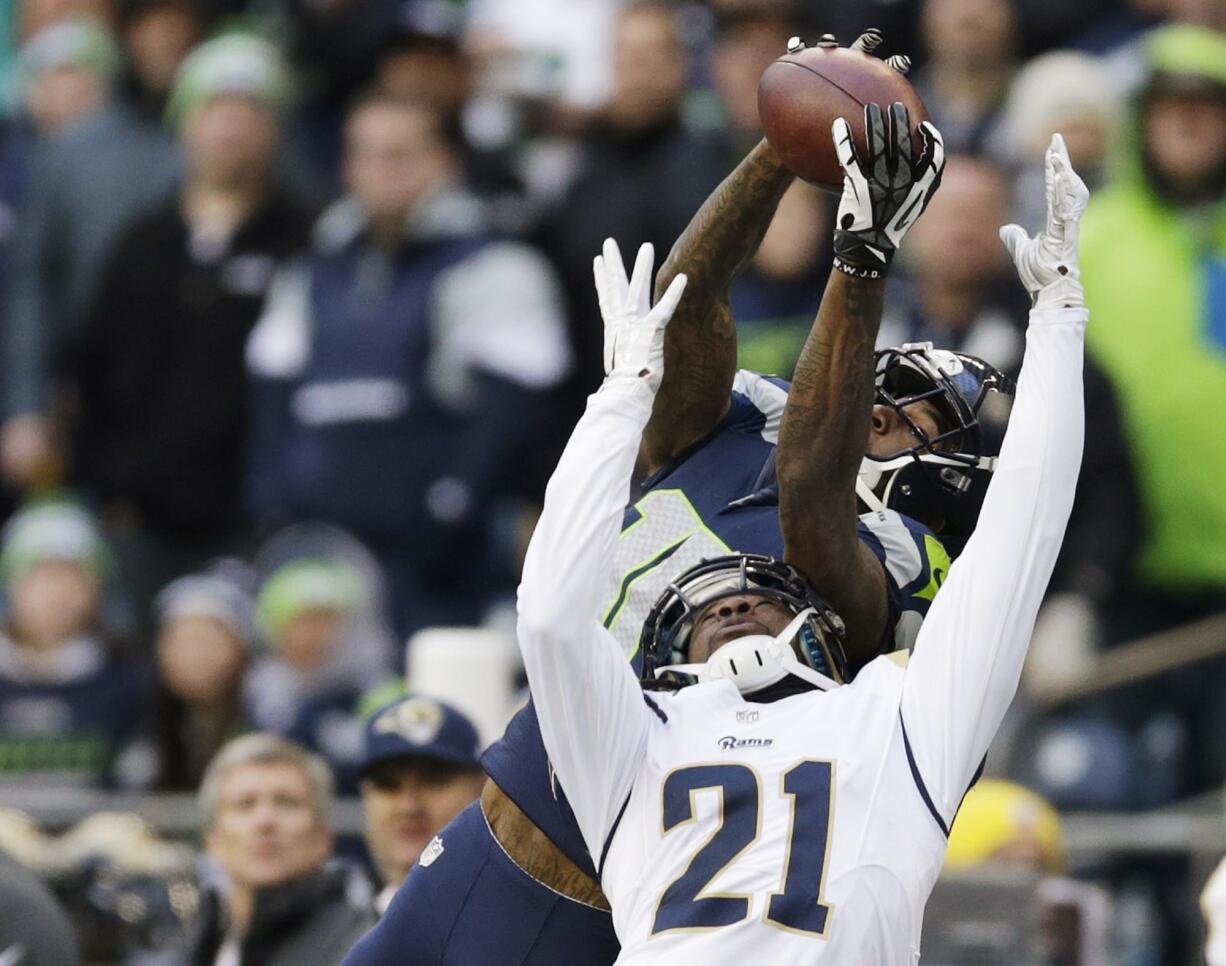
(296, 311)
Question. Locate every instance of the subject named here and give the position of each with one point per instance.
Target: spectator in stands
(1005, 826)
(162, 381)
(334, 46)
(555, 51)
(972, 49)
(1163, 297)
(69, 67)
(776, 295)
(266, 807)
(320, 661)
(1170, 203)
(1064, 91)
(425, 60)
(748, 39)
(420, 769)
(33, 15)
(1003, 822)
(94, 166)
(69, 705)
(157, 36)
(644, 174)
(960, 294)
(206, 632)
(1154, 265)
(402, 367)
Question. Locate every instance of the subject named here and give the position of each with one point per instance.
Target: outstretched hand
(633, 329)
(886, 191)
(1047, 263)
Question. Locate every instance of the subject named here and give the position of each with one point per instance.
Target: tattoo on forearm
(727, 229)
(821, 444)
(700, 346)
(829, 406)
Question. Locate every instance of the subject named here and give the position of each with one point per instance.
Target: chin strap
(872, 470)
(756, 661)
(868, 496)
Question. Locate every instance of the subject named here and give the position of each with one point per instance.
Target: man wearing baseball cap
(420, 769)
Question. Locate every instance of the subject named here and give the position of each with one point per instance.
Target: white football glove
(1047, 264)
(885, 192)
(633, 330)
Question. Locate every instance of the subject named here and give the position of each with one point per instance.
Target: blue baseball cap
(420, 727)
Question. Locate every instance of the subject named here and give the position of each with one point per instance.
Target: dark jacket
(70, 721)
(34, 931)
(310, 921)
(161, 373)
(419, 378)
(641, 186)
(84, 186)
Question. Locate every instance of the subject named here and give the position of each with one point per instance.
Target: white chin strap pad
(756, 661)
(866, 493)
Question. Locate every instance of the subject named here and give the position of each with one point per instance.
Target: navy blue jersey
(718, 497)
(68, 729)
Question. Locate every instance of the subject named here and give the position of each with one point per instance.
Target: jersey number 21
(798, 907)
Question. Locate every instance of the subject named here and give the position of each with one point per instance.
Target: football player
(769, 809)
(711, 489)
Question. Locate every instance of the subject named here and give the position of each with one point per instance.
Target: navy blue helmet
(939, 480)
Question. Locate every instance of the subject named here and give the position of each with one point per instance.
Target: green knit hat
(76, 42)
(312, 583)
(1188, 53)
(53, 531)
(235, 63)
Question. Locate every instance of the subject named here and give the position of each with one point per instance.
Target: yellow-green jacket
(1155, 279)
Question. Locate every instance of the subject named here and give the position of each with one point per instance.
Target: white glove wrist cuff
(634, 387)
(1066, 293)
(1059, 315)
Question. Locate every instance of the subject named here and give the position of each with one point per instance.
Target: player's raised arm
(826, 422)
(592, 712)
(700, 347)
(968, 656)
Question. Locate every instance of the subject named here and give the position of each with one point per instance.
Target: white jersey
(809, 829)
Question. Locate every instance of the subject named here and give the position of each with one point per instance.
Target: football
(801, 94)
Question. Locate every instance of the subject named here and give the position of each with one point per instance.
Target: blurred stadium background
(295, 313)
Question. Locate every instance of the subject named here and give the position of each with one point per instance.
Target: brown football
(802, 93)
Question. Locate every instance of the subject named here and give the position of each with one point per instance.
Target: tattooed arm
(826, 423)
(700, 345)
(821, 443)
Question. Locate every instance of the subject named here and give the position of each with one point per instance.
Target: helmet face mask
(940, 480)
(666, 632)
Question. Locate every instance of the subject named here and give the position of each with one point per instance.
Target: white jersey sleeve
(1213, 905)
(968, 656)
(593, 716)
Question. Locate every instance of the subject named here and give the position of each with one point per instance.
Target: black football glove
(884, 193)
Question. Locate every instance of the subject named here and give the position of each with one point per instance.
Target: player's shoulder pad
(757, 404)
(914, 557)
